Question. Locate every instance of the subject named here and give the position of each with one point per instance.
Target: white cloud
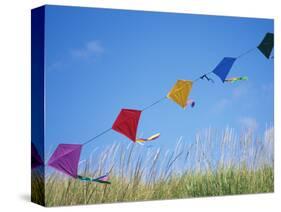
(222, 104)
(267, 88)
(95, 46)
(237, 93)
(241, 90)
(91, 48)
(249, 123)
(57, 65)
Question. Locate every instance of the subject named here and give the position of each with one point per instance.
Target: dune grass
(213, 164)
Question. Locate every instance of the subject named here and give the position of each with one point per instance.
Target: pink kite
(66, 158)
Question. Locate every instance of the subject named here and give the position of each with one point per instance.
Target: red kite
(127, 123)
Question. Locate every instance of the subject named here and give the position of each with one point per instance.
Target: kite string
(163, 98)
(107, 130)
(93, 138)
(154, 103)
(239, 56)
(246, 52)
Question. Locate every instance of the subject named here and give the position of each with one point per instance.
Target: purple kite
(223, 68)
(35, 157)
(66, 158)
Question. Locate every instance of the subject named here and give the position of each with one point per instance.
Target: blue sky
(99, 61)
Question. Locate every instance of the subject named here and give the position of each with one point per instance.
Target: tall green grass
(213, 164)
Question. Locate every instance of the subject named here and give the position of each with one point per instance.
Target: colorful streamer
(151, 138)
(101, 179)
(235, 79)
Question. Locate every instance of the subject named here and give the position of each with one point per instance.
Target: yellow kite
(180, 92)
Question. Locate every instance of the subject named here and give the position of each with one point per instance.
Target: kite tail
(151, 138)
(207, 78)
(235, 79)
(101, 179)
(191, 102)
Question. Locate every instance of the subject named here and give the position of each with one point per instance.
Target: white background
(15, 103)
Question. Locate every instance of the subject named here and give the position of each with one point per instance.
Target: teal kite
(267, 44)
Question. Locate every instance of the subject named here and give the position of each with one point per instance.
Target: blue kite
(223, 68)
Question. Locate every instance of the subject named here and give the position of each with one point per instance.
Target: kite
(101, 179)
(191, 103)
(235, 79)
(180, 92)
(267, 44)
(66, 159)
(36, 160)
(223, 68)
(66, 156)
(127, 122)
